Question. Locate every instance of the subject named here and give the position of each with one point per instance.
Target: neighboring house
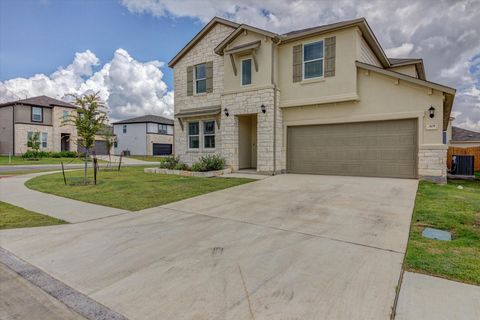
(19, 119)
(323, 100)
(146, 135)
(100, 147)
(464, 138)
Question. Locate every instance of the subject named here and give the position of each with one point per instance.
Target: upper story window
(163, 129)
(246, 72)
(313, 60)
(37, 114)
(152, 128)
(65, 115)
(201, 78)
(209, 134)
(193, 135)
(124, 129)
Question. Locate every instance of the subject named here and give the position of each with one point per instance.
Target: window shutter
(209, 84)
(190, 81)
(297, 63)
(330, 57)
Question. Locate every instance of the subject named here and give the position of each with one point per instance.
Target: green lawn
(448, 208)
(131, 188)
(16, 160)
(16, 217)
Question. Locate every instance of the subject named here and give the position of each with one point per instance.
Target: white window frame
(44, 140)
(160, 129)
(208, 134)
(195, 78)
(323, 59)
(194, 135)
(41, 114)
(241, 72)
(66, 115)
(156, 126)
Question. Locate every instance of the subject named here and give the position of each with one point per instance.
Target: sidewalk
(14, 191)
(431, 298)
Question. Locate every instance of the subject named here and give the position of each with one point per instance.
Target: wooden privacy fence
(473, 151)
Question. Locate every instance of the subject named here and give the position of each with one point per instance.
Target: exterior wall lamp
(225, 111)
(431, 112)
(263, 108)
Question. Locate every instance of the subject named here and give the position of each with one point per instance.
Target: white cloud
(445, 34)
(400, 51)
(129, 87)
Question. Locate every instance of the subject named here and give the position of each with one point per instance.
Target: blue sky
(120, 47)
(52, 31)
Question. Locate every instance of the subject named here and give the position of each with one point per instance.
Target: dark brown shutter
(330, 57)
(190, 81)
(209, 85)
(297, 63)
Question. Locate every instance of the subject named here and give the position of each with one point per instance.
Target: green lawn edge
(13, 217)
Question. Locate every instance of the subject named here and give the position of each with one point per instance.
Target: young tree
(90, 117)
(110, 138)
(33, 143)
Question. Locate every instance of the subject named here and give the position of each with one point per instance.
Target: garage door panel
(384, 149)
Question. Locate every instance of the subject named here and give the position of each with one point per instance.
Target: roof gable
(242, 28)
(199, 36)
(146, 119)
(460, 134)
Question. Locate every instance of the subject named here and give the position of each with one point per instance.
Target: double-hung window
(209, 134)
(201, 78)
(313, 60)
(163, 129)
(124, 128)
(65, 116)
(193, 135)
(152, 128)
(37, 114)
(246, 72)
(44, 139)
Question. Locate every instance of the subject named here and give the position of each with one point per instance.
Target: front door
(65, 142)
(247, 141)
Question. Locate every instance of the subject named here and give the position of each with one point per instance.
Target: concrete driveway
(287, 247)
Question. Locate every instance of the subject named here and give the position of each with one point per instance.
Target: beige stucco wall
(342, 86)
(157, 138)
(408, 70)
(383, 98)
(6, 130)
(366, 53)
(23, 114)
(261, 78)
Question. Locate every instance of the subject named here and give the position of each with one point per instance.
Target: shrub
(31, 154)
(180, 166)
(172, 163)
(209, 163)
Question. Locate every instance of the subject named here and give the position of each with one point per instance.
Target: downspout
(274, 110)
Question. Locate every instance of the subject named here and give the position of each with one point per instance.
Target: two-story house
(20, 119)
(145, 135)
(322, 100)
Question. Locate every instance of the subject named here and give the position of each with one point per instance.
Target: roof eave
(219, 49)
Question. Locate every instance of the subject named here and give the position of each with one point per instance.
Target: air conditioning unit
(463, 165)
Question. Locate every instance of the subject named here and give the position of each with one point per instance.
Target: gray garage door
(375, 149)
(99, 149)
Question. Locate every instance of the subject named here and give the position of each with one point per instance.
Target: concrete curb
(75, 300)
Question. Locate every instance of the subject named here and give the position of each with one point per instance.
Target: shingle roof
(459, 134)
(395, 61)
(148, 118)
(41, 101)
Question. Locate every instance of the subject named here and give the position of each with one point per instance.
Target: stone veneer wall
(21, 132)
(200, 53)
(59, 128)
(244, 103)
(432, 164)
